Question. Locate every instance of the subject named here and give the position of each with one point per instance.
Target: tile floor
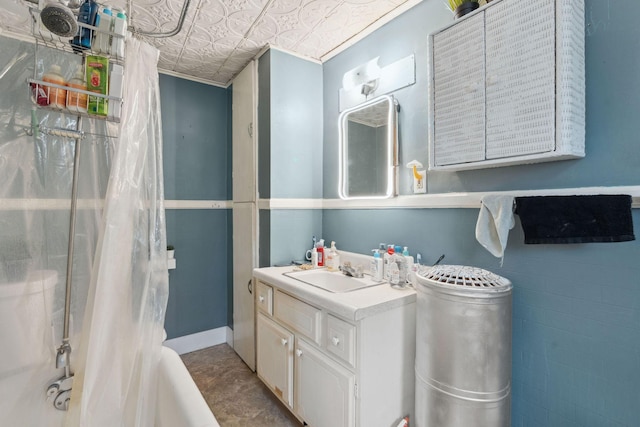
(235, 394)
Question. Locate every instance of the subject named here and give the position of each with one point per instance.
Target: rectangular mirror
(368, 146)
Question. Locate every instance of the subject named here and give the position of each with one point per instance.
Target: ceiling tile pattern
(220, 37)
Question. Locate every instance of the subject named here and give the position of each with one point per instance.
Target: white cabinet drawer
(264, 298)
(299, 316)
(341, 339)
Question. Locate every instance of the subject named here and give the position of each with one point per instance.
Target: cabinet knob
(298, 352)
(335, 341)
(284, 341)
(261, 298)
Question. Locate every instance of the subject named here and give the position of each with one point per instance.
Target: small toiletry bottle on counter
(56, 97)
(408, 265)
(375, 268)
(333, 258)
(415, 268)
(314, 257)
(387, 262)
(401, 263)
(320, 250)
(394, 273)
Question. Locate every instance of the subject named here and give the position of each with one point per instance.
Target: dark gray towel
(575, 219)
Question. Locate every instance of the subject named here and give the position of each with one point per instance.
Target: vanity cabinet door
(275, 357)
(324, 390)
(458, 93)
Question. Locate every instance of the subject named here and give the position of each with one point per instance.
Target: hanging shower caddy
(42, 92)
(68, 100)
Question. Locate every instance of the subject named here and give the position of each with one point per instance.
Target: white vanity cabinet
(508, 86)
(275, 364)
(332, 362)
(324, 390)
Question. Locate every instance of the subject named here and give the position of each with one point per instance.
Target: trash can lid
(465, 276)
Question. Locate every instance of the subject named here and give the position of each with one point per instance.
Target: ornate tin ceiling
(220, 37)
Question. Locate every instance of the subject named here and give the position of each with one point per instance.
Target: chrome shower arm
(183, 15)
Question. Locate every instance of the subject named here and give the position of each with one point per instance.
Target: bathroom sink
(331, 281)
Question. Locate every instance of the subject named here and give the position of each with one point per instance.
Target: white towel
(494, 222)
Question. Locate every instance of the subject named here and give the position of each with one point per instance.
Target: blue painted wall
(290, 153)
(196, 126)
(576, 312)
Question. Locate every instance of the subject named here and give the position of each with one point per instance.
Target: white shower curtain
(121, 336)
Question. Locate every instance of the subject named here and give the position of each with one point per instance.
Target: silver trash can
(463, 348)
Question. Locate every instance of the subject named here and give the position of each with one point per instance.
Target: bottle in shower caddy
(104, 23)
(86, 15)
(120, 29)
(76, 101)
(114, 106)
(56, 97)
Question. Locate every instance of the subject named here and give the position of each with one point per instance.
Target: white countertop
(354, 305)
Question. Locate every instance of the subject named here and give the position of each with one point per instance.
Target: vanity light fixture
(370, 80)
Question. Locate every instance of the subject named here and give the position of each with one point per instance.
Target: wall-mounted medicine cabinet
(508, 86)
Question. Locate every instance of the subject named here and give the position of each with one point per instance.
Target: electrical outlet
(420, 185)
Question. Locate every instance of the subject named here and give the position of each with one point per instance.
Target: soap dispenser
(333, 258)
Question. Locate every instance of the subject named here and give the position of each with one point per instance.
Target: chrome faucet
(348, 270)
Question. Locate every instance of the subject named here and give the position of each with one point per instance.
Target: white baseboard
(200, 340)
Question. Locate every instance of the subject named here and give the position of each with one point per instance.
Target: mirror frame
(391, 149)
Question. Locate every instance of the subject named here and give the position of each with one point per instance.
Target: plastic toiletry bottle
(114, 108)
(104, 19)
(97, 73)
(415, 268)
(320, 249)
(77, 101)
(333, 258)
(57, 97)
(314, 257)
(408, 265)
(375, 268)
(401, 262)
(394, 273)
(387, 262)
(120, 29)
(86, 15)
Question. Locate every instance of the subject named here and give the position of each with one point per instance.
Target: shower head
(59, 19)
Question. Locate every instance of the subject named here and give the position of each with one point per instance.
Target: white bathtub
(179, 400)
